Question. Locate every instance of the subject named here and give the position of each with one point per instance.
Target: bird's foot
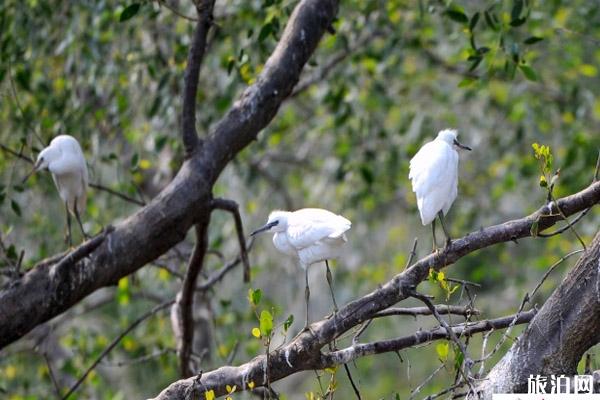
(448, 244)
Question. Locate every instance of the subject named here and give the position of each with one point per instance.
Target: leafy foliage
(506, 74)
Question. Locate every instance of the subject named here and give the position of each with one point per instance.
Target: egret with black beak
(310, 235)
(65, 161)
(434, 176)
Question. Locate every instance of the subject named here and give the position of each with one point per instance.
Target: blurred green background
(506, 74)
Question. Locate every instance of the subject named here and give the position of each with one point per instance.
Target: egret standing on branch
(310, 235)
(434, 176)
(65, 161)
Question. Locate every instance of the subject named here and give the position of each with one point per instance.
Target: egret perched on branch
(434, 176)
(64, 159)
(310, 235)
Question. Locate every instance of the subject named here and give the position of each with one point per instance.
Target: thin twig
(175, 11)
(52, 377)
(549, 271)
(19, 106)
(217, 276)
(138, 360)
(120, 195)
(114, 343)
(416, 390)
(232, 207)
(442, 309)
(412, 254)
(467, 361)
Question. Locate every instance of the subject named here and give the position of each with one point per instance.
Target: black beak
(33, 170)
(264, 228)
(462, 146)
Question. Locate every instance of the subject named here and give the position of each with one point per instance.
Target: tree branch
(186, 299)
(113, 344)
(304, 351)
(294, 357)
(154, 229)
(566, 326)
(232, 207)
(192, 75)
(442, 309)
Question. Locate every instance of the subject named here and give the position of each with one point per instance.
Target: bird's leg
(85, 235)
(434, 240)
(330, 283)
(306, 295)
(448, 239)
(68, 238)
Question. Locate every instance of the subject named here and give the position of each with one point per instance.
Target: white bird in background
(434, 176)
(310, 235)
(65, 161)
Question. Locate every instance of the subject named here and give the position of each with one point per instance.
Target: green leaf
(528, 72)
(15, 207)
(474, 20)
(442, 350)
(266, 323)
(490, 20)
(134, 160)
(288, 322)
(533, 39)
(457, 15)
(534, 228)
(254, 296)
(129, 12)
(265, 31)
(517, 8)
(517, 22)
(458, 358)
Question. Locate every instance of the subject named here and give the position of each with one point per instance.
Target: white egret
(65, 161)
(310, 235)
(434, 176)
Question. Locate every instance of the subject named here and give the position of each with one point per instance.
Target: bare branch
(165, 221)
(217, 276)
(234, 209)
(192, 75)
(113, 344)
(441, 309)
(385, 346)
(120, 195)
(185, 301)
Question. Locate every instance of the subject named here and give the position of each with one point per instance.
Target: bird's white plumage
(434, 176)
(310, 234)
(65, 161)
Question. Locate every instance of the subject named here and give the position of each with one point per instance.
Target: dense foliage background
(506, 74)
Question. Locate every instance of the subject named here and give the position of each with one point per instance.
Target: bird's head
(450, 136)
(277, 222)
(43, 161)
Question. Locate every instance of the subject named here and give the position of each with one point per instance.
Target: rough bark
(567, 325)
(304, 351)
(47, 291)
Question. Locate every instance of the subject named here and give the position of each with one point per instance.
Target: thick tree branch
(293, 358)
(164, 222)
(304, 351)
(192, 76)
(565, 327)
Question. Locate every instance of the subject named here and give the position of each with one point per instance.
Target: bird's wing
(429, 168)
(433, 172)
(310, 225)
